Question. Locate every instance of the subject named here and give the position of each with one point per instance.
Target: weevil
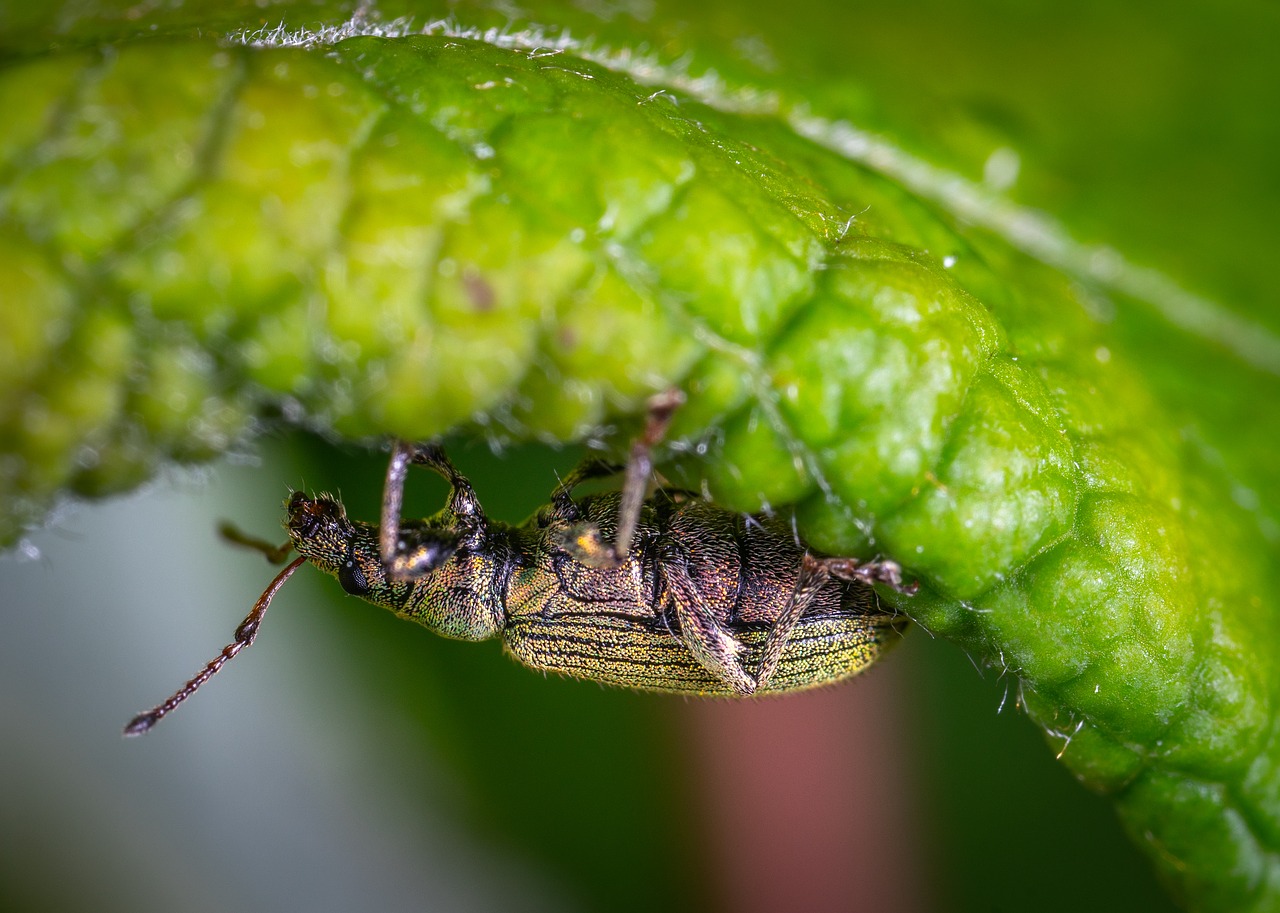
(661, 592)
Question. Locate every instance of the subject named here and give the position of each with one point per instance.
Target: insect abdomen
(643, 654)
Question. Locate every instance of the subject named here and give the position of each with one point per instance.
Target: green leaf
(376, 226)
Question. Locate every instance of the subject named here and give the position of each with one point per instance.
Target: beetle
(664, 592)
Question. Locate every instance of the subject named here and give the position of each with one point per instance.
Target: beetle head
(319, 529)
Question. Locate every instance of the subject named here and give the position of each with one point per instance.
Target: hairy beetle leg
(583, 540)
(883, 571)
(720, 652)
(640, 466)
(814, 573)
(588, 469)
(408, 561)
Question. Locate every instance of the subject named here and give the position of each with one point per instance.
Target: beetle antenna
(276, 554)
(245, 635)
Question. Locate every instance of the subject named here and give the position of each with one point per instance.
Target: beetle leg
(883, 571)
(640, 465)
(708, 641)
(405, 561)
(583, 540)
(588, 469)
(814, 573)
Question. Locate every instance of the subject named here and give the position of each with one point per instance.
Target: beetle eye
(352, 578)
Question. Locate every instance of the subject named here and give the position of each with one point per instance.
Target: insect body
(665, 593)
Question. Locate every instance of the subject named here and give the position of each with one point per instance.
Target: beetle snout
(308, 515)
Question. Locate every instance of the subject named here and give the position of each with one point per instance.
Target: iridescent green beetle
(664, 593)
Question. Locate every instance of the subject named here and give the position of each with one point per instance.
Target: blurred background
(353, 761)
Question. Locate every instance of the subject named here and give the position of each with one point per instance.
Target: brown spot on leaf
(479, 291)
